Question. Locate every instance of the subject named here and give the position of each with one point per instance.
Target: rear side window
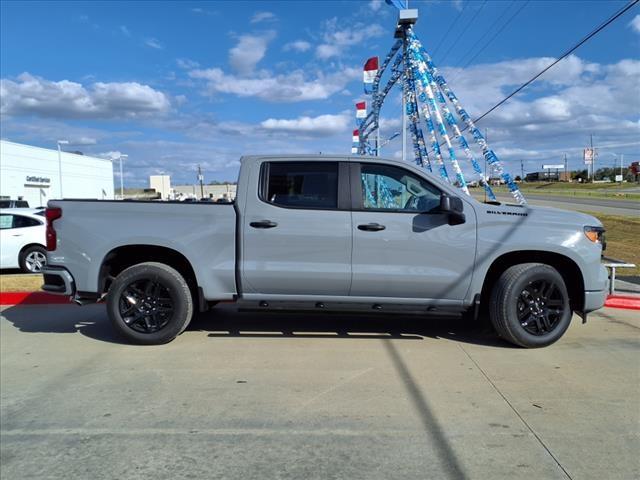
(21, 222)
(301, 184)
(6, 221)
(22, 204)
(5, 203)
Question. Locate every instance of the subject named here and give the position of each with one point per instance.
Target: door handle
(263, 224)
(371, 227)
(17, 234)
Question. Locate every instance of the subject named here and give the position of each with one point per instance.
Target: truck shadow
(226, 321)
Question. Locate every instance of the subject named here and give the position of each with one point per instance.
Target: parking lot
(246, 395)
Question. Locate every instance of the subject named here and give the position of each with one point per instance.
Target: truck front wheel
(530, 305)
(149, 303)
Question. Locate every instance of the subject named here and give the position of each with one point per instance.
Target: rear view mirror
(454, 207)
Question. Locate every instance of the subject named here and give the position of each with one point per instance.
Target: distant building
(549, 176)
(161, 184)
(33, 174)
(215, 192)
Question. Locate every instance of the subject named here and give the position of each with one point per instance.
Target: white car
(23, 239)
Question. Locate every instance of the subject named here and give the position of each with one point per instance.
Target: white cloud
(250, 49)
(186, 63)
(125, 31)
(635, 24)
(259, 17)
(322, 125)
(295, 86)
(153, 43)
(336, 40)
(203, 11)
(297, 46)
(325, 51)
(31, 95)
(375, 5)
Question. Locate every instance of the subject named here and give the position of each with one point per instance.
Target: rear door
(402, 245)
(297, 229)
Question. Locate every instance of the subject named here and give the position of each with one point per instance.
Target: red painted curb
(31, 298)
(623, 301)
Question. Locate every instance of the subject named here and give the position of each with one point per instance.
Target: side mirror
(453, 207)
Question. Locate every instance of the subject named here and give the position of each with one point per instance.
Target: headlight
(596, 235)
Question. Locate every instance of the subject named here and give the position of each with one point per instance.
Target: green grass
(586, 190)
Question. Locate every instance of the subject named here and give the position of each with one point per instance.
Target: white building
(33, 174)
(161, 184)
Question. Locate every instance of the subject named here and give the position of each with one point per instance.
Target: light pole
(60, 142)
(125, 156)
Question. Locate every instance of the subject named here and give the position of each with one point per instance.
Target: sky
(175, 85)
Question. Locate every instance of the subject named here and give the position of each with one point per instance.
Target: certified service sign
(41, 181)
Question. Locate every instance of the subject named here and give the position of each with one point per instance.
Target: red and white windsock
(361, 110)
(369, 74)
(356, 136)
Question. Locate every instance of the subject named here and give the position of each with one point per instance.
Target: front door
(402, 245)
(297, 229)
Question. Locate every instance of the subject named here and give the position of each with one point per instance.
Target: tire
(149, 304)
(32, 259)
(530, 306)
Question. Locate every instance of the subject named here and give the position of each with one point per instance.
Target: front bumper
(593, 300)
(58, 280)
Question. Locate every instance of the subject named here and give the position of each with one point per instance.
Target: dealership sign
(38, 180)
(547, 167)
(588, 156)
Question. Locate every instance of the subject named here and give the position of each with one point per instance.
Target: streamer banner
(369, 74)
(356, 136)
(361, 110)
(354, 150)
(399, 4)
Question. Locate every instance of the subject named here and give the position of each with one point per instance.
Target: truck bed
(204, 233)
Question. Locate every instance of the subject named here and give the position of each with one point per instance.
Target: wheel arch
(125, 256)
(29, 245)
(566, 267)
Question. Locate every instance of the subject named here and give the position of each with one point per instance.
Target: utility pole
(621, 175)
(521, 170)
(201, 179)
(566, 170)
(593, 161)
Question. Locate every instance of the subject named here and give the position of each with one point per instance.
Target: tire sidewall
(177, 289)
(539, 272)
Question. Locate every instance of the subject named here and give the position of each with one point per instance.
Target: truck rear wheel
(149, 303)
(530, 305)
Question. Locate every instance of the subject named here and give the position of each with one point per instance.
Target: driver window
(392, 188)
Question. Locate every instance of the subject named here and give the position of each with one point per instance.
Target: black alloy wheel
(541, 306)
(146, 305)
(149, 303)
(530, 306)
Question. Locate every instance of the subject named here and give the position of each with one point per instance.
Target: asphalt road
(612, 207)
(244, 396)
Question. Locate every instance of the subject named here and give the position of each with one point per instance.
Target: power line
(593, 33)
(450, 27)
(489, 29)
(496, 34)
(463, 31)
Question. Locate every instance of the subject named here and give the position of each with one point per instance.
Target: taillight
(52, 214)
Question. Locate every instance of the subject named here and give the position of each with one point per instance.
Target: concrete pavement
(244, 395)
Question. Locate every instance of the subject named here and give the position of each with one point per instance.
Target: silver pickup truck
(332, 233)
